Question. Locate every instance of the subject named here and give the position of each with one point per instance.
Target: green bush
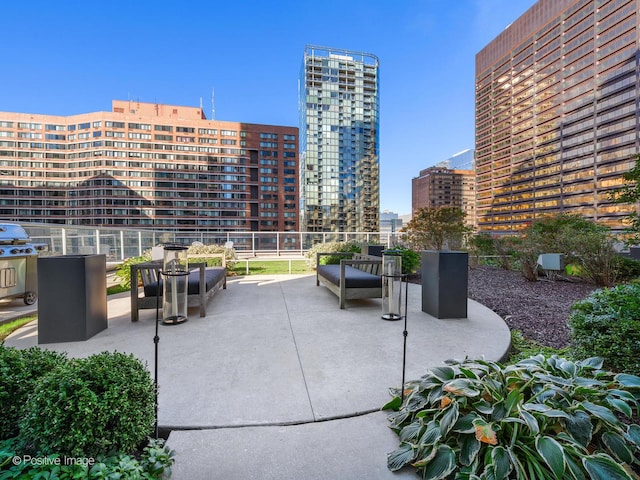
(410, 260)
(19, 372)
(607, 324)
(155, 463)
(90, 406)
(330, 247)
(540, 419)
(626, 268)
(123, 272)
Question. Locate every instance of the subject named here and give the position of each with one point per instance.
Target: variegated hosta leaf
(462, 386)
(425, 457)
(501, 462)
(485, 432)
(629, 381)
(400, 457)
(618, 447)
(483, 407)
(411, 432)
(449, 418)
(592, 363)
(536, 407)
(443, 373)
(568, 367)
(602, 467)
(432, 434)
(620, 405)
(531, 421)
(603, 413)
(464, 424)
(574, 470)
(579, 427)
(633, 434)
(552, 453)
(469, 448)
(441, 465)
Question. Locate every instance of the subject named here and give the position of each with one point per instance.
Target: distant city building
(390, 222)
(148, 165)
(444, 187)
(460, 161)
(556, 113)
(339, 140)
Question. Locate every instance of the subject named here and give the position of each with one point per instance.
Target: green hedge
(20, 370)
(607, 324)
(90, 406)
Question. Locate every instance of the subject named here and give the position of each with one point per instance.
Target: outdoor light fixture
(175, 270)
(392, 285)
(392, 299)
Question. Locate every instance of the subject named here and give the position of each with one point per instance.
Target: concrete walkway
(278, 383)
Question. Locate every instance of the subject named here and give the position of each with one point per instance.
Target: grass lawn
(270, 267)
(7, 328)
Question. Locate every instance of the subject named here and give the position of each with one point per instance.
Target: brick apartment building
(148, 165)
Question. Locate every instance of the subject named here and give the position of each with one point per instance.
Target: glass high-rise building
(339, 106)
(557, 121)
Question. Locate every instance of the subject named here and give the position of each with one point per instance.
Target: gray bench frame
(367, 263)
(148, 273)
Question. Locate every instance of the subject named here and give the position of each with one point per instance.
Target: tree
(436, 228)
(630, 193)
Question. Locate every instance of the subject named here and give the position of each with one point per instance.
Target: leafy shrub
(89, 406)
(581, 241)
(411, 259)
(123, 272)
(607, 324)
(19, 372)
(230, 255)
(626, 268)
(542, 418)
(522, 347)
(155, 463)
(330, 247)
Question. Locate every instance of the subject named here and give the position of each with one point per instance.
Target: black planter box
(72, 302)
(445, 281)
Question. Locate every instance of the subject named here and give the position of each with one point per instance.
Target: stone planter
(445, 280)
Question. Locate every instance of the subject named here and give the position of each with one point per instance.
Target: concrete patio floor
(277, 382)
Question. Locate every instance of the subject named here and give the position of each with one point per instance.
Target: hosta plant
(542, 418)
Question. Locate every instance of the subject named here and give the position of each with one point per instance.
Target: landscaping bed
(539, 309)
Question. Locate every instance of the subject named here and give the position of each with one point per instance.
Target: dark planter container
(445, 280)
(72, 302)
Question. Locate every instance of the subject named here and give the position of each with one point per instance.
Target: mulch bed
(539, 309)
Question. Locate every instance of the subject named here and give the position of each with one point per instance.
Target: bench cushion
(354, 277)
(212, 276)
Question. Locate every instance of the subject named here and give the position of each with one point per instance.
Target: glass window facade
(556, 117)
(339, 140)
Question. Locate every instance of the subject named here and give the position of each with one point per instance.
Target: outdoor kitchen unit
(18, 260)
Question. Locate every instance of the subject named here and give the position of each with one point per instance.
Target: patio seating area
(303, 379)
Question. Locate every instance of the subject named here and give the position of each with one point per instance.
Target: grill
(18, 264)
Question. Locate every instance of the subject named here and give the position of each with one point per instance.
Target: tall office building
(339, 141)
(148, 165)
(557, 120)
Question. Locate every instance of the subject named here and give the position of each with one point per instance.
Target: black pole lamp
(393, 292)
(175, 269)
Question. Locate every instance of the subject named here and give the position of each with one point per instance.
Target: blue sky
(69, 57)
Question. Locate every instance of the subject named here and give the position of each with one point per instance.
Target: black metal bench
(357, 276)
(202, 283)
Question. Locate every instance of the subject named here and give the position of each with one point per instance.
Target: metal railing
(119, 244)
